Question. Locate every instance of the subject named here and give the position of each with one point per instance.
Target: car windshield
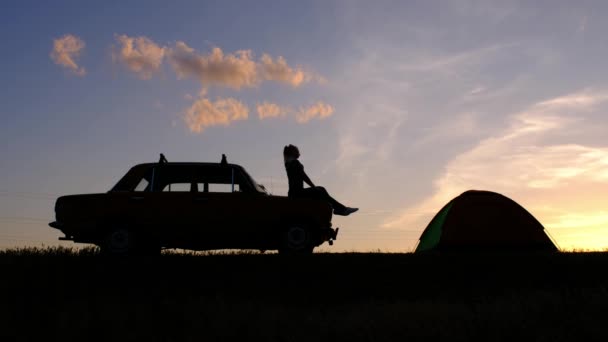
(258, 187)
(137, 179)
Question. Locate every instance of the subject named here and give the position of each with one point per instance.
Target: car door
(248, 222)
(136, 210)
(218, 206)
(170, 205)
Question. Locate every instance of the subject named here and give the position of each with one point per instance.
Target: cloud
(139, 55)
(582, 27)
(230, 70)
(319, 110)
(204, 113)
(526, 163)
(453, 128)
(66, 51)
(268, 110)
(445, 63)
(278, 70)
(476, 90)
(582, 100)
(234, 70)
(237, 70)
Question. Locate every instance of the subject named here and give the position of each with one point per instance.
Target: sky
(396, 106)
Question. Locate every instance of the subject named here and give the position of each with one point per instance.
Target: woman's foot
(346, 211)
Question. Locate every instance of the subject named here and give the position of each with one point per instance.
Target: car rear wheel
(296, 239)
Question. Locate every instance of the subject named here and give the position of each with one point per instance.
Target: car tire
(296, 239)
(118, 241)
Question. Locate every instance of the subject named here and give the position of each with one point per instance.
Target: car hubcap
(119, 240)
(296, 237)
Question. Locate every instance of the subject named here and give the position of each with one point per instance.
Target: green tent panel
(432, 234)
(484, 220)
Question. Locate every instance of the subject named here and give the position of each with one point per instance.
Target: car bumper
(60, 226)
(56, 225)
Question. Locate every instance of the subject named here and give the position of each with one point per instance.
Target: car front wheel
(296, 239)
(122, 241)
(119, 241)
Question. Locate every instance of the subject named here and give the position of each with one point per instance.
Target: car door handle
(137, 198)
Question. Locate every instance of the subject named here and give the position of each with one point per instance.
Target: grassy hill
(70, 295)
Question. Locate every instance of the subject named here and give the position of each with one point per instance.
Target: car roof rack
(162, 159)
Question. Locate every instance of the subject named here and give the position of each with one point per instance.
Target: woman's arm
(304, 176)
(307, 179)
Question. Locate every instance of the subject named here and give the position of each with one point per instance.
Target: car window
(142, 185)
(221, 187)
(177, 187)
(173, 178)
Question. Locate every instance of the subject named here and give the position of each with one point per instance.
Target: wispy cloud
(388, 93)
(447, 62)
(477, 90)
(204, 113)
(139, 55)
(582, 26)
(458, 126)
(582, 100)
(66, 51)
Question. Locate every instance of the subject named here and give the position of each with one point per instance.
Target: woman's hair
(290, 151)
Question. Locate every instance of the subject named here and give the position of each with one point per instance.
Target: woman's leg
(319, 192)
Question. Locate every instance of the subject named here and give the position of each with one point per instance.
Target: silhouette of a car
(197, 206)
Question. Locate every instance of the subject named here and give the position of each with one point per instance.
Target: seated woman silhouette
(297, 177)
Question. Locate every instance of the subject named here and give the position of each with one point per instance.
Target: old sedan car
(198, 206)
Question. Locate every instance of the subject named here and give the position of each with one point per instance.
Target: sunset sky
(396, 106)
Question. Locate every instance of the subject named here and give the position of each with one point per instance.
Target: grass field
(59, 294)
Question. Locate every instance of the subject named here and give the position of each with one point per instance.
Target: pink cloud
(139, 55)
(231, 70)
(319, 110)
(267, 110)
(204, 113)
(66, 51)
(234, 70)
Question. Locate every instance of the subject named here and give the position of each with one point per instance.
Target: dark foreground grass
(58, 294)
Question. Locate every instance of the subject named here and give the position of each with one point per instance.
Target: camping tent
(484, 220)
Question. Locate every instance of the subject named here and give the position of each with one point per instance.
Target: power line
(28, 195)
(23, 218)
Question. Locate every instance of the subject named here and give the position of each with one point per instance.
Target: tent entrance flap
(432, 234)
